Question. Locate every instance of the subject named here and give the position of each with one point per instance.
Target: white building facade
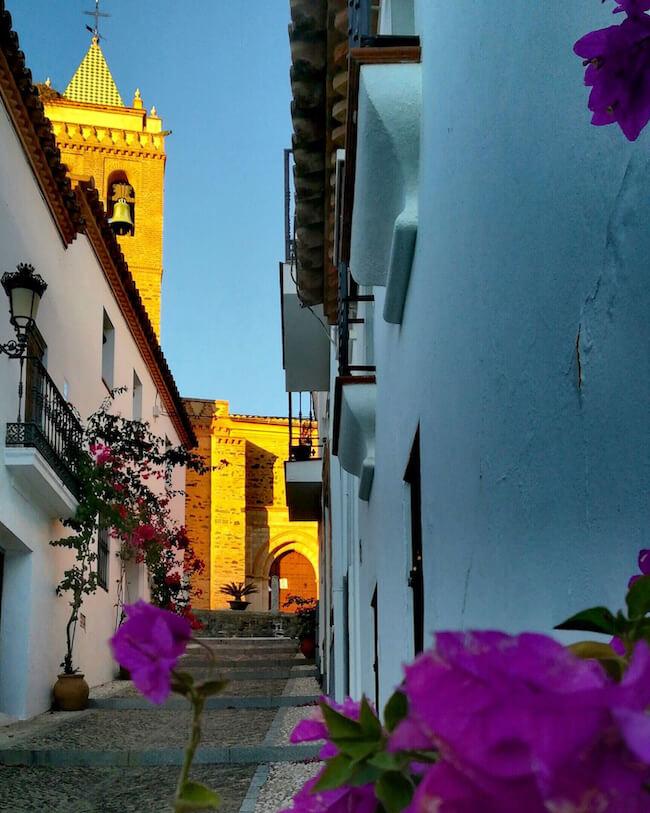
(487, 461)
(94, 334)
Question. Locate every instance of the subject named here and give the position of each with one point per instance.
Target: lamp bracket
(14, 348)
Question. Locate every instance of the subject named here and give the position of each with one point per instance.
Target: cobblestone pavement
(123, 755)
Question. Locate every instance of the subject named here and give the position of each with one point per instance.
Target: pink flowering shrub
(491, 723)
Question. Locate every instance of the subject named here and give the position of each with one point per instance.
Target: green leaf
(386, 762)
(638, 598)
(369, 722)
(338, 771)
(358, 749)
(603, 653)
(596, 619)
(395, 710)
(195, 796)
(182, 682)
(364, 774)
(339, 726)
(394, 791)
(210, 687)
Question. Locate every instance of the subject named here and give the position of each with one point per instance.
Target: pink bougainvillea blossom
(100, 453)
(617, 61)
(527, 726)
(148, 644)
(341, 800)
(142, 534)
(313, 728)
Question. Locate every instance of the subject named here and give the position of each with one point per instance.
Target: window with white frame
(108, 352)
(137, 397)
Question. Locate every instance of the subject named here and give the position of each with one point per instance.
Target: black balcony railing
(360, 18)
(348, 297)
(304, 443)
(48, 424)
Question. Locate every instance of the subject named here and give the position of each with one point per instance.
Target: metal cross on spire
(96, 14)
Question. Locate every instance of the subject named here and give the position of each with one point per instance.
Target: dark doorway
(375, 629)
(416, 579)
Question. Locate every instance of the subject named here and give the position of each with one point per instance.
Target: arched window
(118, 189)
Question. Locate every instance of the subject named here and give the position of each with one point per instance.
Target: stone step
(114, 789)
(249, 673)
(131, 757)
(248, 644)
(212, 703)
(264, 674)
(243, 662)
(237, 688)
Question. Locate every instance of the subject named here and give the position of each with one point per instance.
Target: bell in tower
(123, 200)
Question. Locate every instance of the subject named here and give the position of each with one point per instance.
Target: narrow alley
(123, 754)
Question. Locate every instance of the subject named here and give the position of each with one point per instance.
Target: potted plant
(71, 689)
(307, 615)
(238, 590)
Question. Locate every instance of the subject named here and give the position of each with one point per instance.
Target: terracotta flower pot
(238, 605)
(308, 647)
(71, 692)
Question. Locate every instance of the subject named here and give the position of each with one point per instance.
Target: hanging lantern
(24, 289)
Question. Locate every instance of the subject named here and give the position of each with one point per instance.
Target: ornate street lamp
(24, 289)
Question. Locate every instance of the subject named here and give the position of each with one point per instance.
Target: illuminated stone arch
(292, 540)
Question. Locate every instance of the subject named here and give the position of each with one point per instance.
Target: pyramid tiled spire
(92, 81)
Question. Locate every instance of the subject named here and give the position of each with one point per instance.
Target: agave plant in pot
(238, 591)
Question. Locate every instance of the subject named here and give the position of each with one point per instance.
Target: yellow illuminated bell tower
(123, 149)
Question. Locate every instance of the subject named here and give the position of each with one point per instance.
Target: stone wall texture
(236, 514)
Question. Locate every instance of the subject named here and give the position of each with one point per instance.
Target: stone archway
(294, 540)
(296, 577)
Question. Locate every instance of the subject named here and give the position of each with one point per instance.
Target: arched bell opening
(120, 203)
(295, 577)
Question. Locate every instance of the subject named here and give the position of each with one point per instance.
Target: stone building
(123, 149)
(237, 513)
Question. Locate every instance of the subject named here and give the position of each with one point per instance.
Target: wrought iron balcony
(303, 470)
(47, 424)
(349, 296)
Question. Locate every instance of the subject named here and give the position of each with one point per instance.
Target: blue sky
(218, 73)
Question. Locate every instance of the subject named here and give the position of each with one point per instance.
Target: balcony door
(416, 579)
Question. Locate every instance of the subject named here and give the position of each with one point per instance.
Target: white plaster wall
(70, 320)
(533, 232)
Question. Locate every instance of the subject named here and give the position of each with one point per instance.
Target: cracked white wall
(533, 236)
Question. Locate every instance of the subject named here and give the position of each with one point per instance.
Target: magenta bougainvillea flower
(631, 7)
(521, 724)
(341, 800)
(148, 644)
(313, 729)
(617, 61)
(100, 453)
(143, 534)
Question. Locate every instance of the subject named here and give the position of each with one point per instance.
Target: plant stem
(195, 739)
